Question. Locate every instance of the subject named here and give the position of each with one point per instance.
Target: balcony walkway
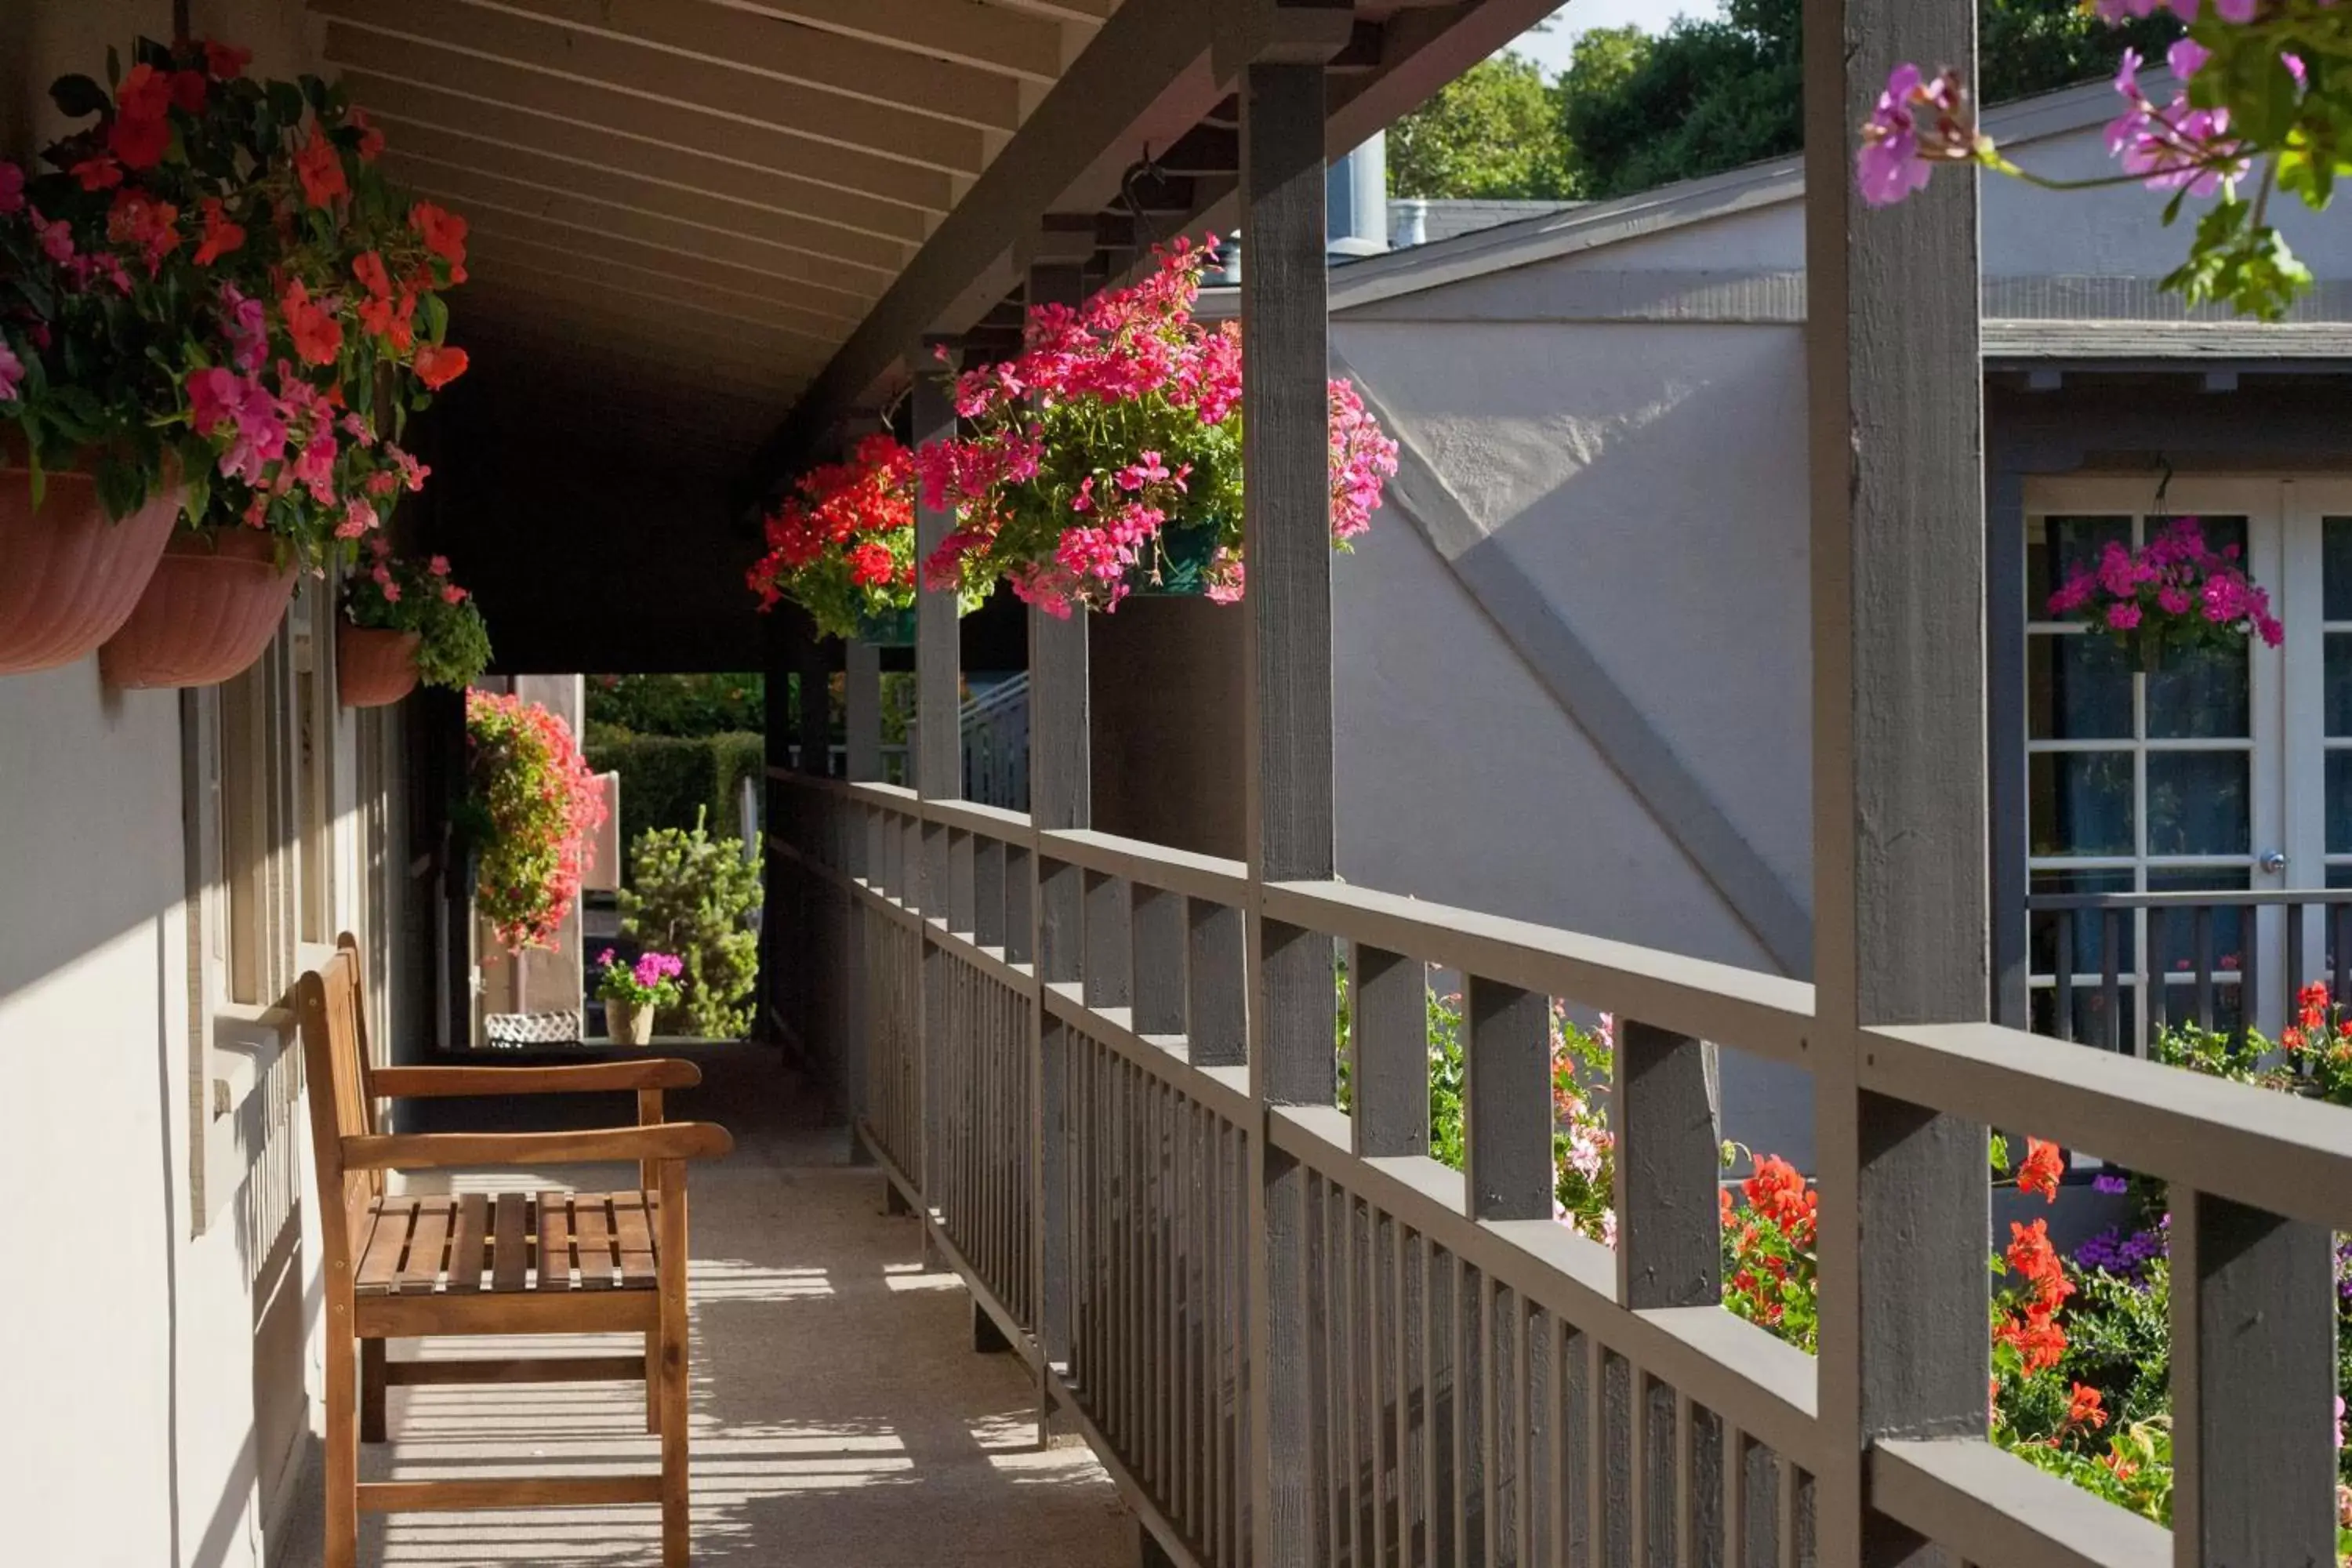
(840, 1415)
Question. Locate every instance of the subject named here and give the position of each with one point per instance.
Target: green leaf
(77, 95)
(436, 319)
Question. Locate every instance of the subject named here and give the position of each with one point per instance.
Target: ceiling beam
(783, 151)
(700, 208)
(993, 38)
(402, 104)
(552, 277)
(788, 50)
(607, 251)
(564, 261)
(678, 80)
(1139, 54)
(463, 188)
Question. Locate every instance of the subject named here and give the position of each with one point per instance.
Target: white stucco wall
(162, 1368)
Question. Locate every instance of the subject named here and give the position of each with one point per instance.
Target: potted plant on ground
(1107, 459)
(531, 808)
(2171, 597)
(312, 327)
(403, 621)
(842, 546)
(632, 994)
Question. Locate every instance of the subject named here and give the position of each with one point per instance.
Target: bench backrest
(332, 1004)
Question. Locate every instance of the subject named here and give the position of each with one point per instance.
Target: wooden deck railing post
(1051, 893)
(938, 772)
(1280, 52)
(861, 692)
(1669, 1241)
(1900, 826)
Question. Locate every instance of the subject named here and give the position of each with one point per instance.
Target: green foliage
(678, 704)
(691, 895)
(675, 781)
(1492, 131)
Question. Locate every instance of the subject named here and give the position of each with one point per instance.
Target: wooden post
(861, 697)
(938, 763)
(1052, 898)
(816, 710)
(2253, 1385)
(1388, 1016)
(1286, 356)
(1900, 829)
(1669, 1241)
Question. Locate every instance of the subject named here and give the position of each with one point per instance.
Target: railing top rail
(1766, 1015)
(991, 820)
(1182, 871)
(2256, 1146)
(2235, 898)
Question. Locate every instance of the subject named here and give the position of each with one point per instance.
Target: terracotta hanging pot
(210, 610)
(70, 574)
(375, 666)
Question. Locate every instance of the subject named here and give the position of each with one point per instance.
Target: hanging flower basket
(2171, 597)
(887, 628)
(74, 574)
(1180, 568)
(208, 614)
(374, 667)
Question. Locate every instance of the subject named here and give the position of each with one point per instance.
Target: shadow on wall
(1169, 677)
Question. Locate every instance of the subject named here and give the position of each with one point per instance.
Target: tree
(1493, 131)
(1637, 111)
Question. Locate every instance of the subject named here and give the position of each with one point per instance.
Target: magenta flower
(12, 371)
(12, 187)
(2123, 618)
(2236, 10)
(1887, 167)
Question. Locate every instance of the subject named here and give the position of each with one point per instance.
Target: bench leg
(372, 1386)
(653, 1380)
(677, 1528)
(343, 1458)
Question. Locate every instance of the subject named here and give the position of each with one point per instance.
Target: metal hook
(2165, 483)
(1141, 168)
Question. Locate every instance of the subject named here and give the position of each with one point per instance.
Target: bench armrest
(468, 1150)
(588, 1078)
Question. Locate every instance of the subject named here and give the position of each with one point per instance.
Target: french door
(2176, 781)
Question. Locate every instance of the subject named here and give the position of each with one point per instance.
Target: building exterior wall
(164, 1377)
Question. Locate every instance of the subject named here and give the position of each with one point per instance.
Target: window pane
(2336, 681)
(2056, 546)
(2082, 803)
(2076, 688)
(2197, 803)
(2336, 569)
(2340, 803)
(2203, 696)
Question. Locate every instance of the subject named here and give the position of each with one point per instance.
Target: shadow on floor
(840, 1417)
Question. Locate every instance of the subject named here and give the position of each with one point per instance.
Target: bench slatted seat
(401, 1265)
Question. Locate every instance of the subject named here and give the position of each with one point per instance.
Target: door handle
(2273, 862)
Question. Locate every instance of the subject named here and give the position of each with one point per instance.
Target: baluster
(1506, 1069)
(962, 882)
(988, 892)
(2065, 975)
(1388, 1078)
(1156, 918)
(1109, 943)
(1669, 1160)
(1216, 1004)
(2204, 966)
(2340, 949)
(2248, 985)
(2111, 1000)
(2158, 998)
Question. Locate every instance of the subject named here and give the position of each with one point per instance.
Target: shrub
(531, 805)
(691, 895)
(677, 781)
(678, 704)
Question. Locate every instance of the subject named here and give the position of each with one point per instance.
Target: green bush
(691, 895)
(675, 781)
(678, 704)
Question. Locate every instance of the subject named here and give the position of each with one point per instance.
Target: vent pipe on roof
(1356, 192)
(1408, 222)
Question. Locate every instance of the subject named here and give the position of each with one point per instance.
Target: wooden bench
(554, 1262)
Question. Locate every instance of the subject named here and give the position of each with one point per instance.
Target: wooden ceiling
(712, 227)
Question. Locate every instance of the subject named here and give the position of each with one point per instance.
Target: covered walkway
(840, 1414)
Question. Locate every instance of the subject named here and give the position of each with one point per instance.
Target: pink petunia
(12, 372)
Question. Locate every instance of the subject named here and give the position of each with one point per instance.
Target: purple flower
(2106, 1182)
(1887, 167)
(2236, 10)
(2185, 56)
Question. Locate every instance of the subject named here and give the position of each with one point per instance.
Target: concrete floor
(841, 1419)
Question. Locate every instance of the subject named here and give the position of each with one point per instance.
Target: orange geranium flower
(221, 237)
(437, 366)
(444, 232)
(320, 169)
(2043, 1165)
(317, 336)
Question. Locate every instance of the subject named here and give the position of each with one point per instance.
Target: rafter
(405, 104)
(993, 38)
(570, 210)
(608, 251)
(782, 150)
(671, 79)
(727, 215)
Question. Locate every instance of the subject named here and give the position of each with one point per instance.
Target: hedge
(666, 780)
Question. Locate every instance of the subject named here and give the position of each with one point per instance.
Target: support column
(1900, 831)
(1285, 356)
(936, 771)
(862, 711)
(1061, 797)
(780, 890)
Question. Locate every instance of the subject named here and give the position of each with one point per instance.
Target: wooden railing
(1482, 1383)
(2122, 967)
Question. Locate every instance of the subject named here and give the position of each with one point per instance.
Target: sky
(1553, 48)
